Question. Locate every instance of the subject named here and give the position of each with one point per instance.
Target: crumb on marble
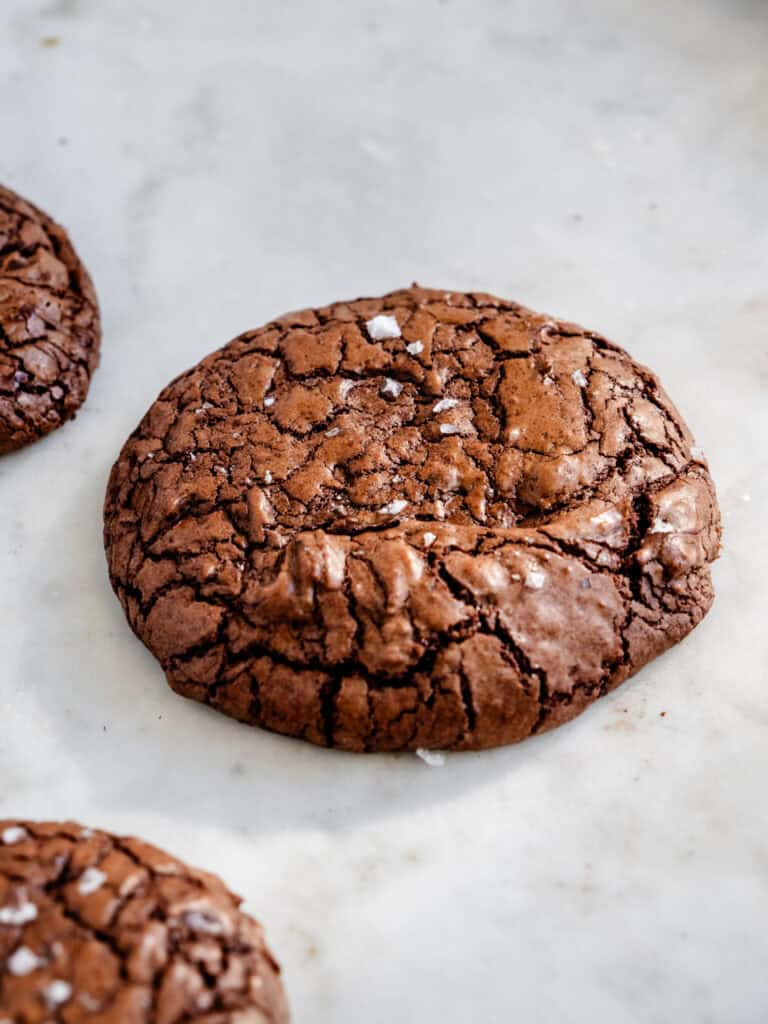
(433, 758)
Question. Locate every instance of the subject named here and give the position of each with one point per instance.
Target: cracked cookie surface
(427, 520)
(98, 929)
(49, 325)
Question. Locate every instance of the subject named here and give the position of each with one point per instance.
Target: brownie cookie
(427, 520)
(49, 324)
(96, 928)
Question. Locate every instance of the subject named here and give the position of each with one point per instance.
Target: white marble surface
(219, 163)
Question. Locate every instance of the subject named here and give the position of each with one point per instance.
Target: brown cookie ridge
(98, 929)
(50, 329)
(431, 519)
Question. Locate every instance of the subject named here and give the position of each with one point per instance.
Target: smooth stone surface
(218, 164)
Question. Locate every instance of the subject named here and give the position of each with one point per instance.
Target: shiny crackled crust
(96, 929)
(49, 325)
(426, 520)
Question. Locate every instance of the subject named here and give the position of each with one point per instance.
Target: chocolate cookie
(95, 928)
(49, 324)
(426, 520)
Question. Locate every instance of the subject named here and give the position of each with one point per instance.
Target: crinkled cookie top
(97, 928)
(425, 520)
(49, 324)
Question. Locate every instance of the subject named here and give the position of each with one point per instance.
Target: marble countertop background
(220, 163)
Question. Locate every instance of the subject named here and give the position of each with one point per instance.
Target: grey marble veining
(218, 164)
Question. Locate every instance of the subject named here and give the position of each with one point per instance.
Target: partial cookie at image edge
(50, 327)
(96, 926)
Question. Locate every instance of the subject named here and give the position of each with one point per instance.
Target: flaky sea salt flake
(579, 379)
(14, 834)
(534, 579)
(445, 404)
(57, 993)
(393, 508)
(382, 327)
(390, 388)
(23, 961)
(17, 916)
(199, 921)
(415, 348)
(90, 881)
